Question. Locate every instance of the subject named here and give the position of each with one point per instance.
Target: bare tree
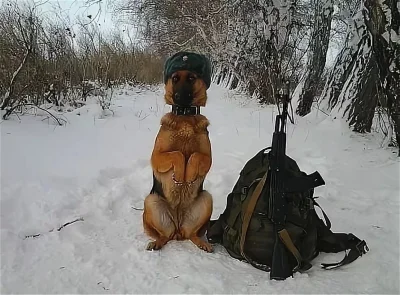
(22, 26)
(250, 42)
(319, 42)
(366, 70)
(383, 22)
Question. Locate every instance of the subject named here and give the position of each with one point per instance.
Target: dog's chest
(185, 140)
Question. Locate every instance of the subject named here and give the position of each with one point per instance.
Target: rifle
(278, 187)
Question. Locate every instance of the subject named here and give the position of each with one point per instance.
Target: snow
(97, 168)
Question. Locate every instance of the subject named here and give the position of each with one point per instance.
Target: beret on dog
(190, 61)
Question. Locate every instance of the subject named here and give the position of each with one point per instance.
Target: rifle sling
(287, 241)
(249, 212)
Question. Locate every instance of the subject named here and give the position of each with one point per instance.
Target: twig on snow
(138, 209)
(144, 117)
(68, 223)
(104, 288)
(31, 236)
(58, 229)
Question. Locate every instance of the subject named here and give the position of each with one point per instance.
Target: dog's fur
(180, 160)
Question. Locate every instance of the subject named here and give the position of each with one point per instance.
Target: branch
(137, 209)
(58, 229)
(9, 112)
(68, 223)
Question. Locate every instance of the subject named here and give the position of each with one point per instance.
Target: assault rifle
(279, 185)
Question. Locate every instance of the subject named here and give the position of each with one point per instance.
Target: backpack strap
(249, 212)
(234, 214)
(227, 220)
(330, 242)
(349, 241)
(302, 265)
(327, 221)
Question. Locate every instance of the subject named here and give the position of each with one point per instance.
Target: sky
(74, 8)
(101, 12)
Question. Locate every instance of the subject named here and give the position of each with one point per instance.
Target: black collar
(185, 111)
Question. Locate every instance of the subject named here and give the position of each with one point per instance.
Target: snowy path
(98, 170)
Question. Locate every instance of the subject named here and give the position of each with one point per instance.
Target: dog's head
(185, 88)
(187, 77)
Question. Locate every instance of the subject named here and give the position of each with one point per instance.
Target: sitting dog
(178, 208)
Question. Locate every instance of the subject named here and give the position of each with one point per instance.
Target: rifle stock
(280, 268)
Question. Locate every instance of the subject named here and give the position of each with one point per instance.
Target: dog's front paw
(179, 167)
(192, 168)
(191, 176)
(198, 166)
(177, 180)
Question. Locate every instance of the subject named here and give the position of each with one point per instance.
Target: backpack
(247, 233)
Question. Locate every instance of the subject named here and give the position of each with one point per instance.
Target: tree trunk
(317, 57)
(351, 90)
(362, 109)
(338, 75)
(358, 98)
(10, 92)
(369, 70)
(383, 19)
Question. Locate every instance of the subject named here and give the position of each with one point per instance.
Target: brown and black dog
(178, 208)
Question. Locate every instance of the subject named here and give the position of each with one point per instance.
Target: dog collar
(185, 111)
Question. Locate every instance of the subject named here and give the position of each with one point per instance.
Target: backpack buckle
(308, 204)
(362, 247)
(244, 190)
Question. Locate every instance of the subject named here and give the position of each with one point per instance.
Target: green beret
(190, 61)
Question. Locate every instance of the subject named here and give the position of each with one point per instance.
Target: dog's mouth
(183, 97)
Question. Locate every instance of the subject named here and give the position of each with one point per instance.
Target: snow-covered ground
(95, 171)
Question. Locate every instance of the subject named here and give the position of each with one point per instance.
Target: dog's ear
(199, 92)
(169, 92)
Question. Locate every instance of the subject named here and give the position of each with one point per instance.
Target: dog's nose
(183, 97)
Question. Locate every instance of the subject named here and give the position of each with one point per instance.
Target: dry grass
(43, 61)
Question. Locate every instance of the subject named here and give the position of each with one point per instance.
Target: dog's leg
(195, 220)
(198, 166)
(163, 162)
(158, 221)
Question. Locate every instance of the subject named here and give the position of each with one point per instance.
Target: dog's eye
(191, 78)
(175, 79)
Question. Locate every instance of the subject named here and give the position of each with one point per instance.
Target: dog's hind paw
(153, 246)
(202, 244)
(206, 247)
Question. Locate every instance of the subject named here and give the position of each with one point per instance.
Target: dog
(178, 207)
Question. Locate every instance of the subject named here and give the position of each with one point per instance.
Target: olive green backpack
(247, 233)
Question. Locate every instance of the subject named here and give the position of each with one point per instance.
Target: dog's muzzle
(183, 97)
